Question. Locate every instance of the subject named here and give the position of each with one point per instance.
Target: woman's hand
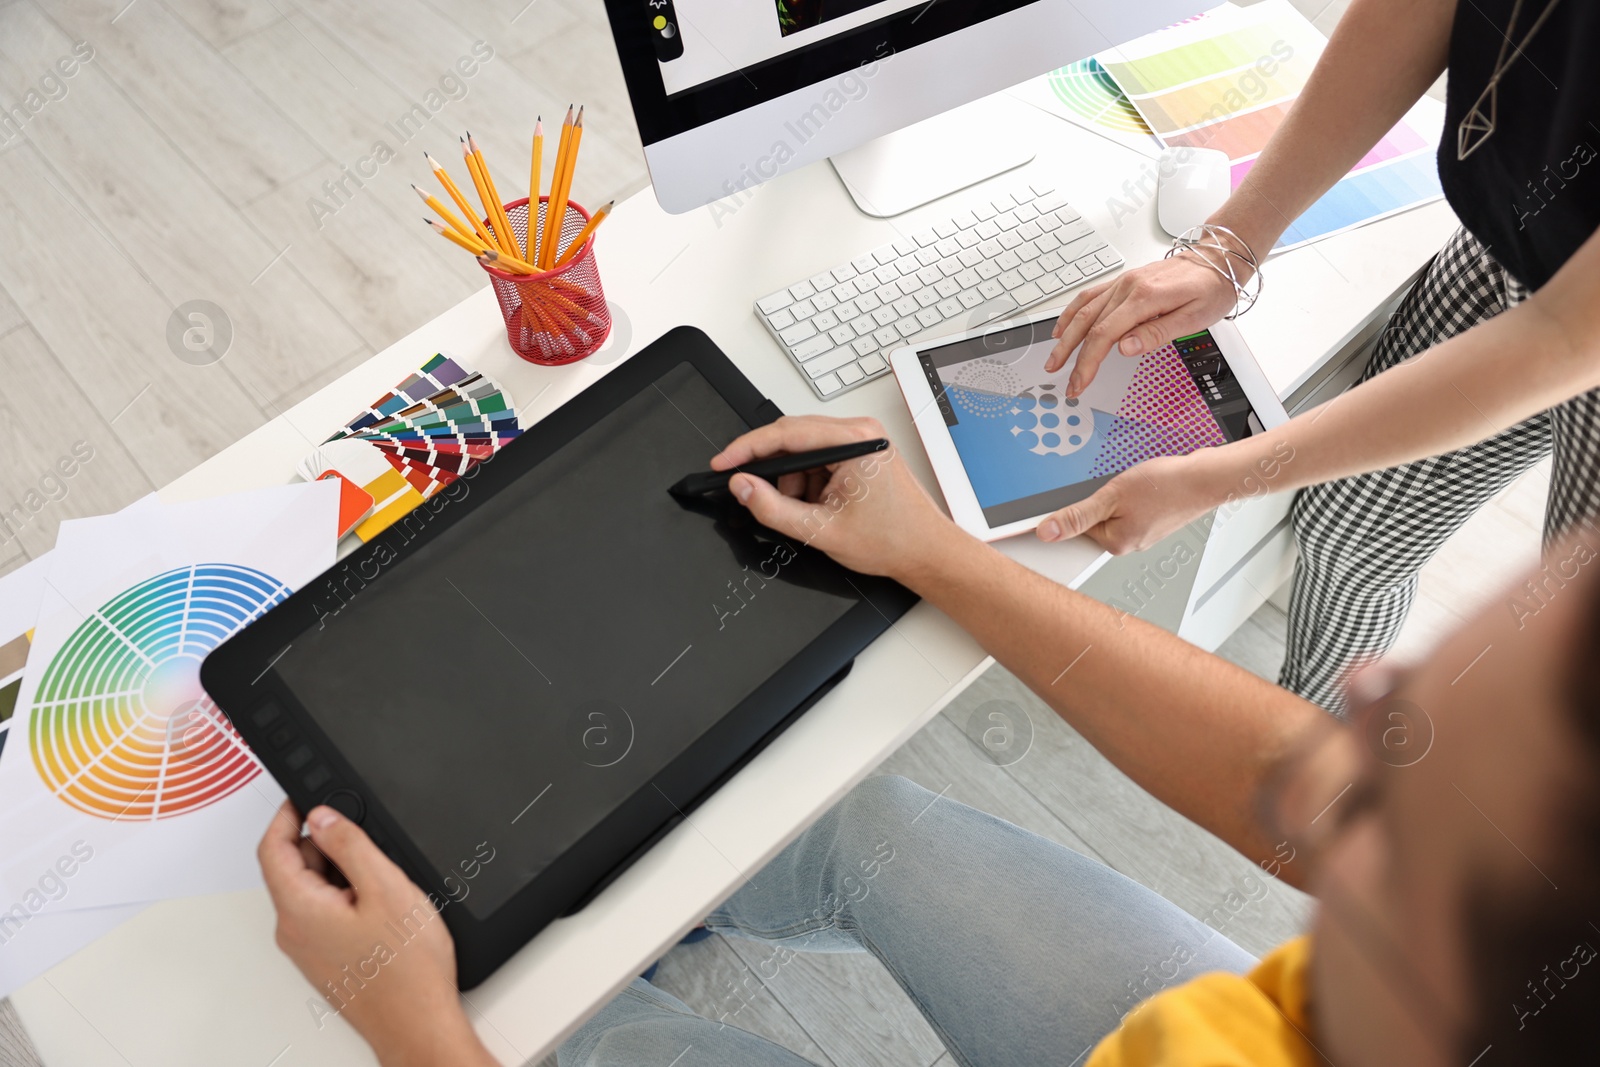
(870, 514)
(1138, 507)
(1142, 309)
(377, 951)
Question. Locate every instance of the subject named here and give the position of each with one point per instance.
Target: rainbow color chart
(121, 728)
(1227, 80)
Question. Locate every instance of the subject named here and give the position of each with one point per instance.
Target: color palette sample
(1088, 91)
(416, 439)
(120, 727)
(1226, 81)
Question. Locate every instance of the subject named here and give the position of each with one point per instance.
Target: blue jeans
(1017, 950)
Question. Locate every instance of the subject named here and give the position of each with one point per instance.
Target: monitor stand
(935, 157)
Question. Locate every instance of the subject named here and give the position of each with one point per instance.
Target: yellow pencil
(555, 210)
(530, 246)
(484, 198)
(497, 207)
(566, 180)
(443, 212)
(511, 264)
(583, 235)
(469, 243)
(461, 201)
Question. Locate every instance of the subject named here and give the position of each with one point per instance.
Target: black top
(1531, 192)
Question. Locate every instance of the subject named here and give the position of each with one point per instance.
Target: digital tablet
(521, 685)
(1009, 448)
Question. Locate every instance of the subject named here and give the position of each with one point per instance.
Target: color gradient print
(1089, 92)
(120, 727)
(1161, 414)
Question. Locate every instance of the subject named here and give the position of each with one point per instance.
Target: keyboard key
(1048, 243)
(1010, 279)
(1051, 261)
(824, 300)
(812, 346)
(1049, 223)
(1007, 220)
(905, 246)
(844, 273)
(822, 281)
(885, 274)
(984, 212)
(968, 238)
(967, 279)
(1084, 246)
(864, 264)
(1004, 202)
(781, 321)
(930, 316)
(1050, 202)
(1041, 187)
(947, 287)
(842, 335)
(825, 321)
(991, 248)
(949, 307)
(1028, 231)
(1026, 294)
(986, 230)
(801, 290)
(888, 335)
(1072, 230)
(905, 305)
(873, 364)
(776, 302)
(885, 315)
(845, 290)
(908, 327)
(1088, 265)
(927, 297)
(949, 268)
(802, 309)
(847, 311)
(797, 333)
(1069, 275)
(1027, 213)
(1030, 271)
(970, 257)
(1011, 239)
(989, 269)
(1065, 213)
(946, 229)
(828, 384)
(1027, 251)
(970, 298)
(865, 346)
(850, 373)
(1048, 283)
(864, 326)
(965, 220)
(927, 256)
(992, 288)
(869, 302)
(885, 254)
(828, 361)
(1108, 256)
(947, 247)
(1007, 261)
(929, 275)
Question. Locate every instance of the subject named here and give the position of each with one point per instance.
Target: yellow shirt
(1221, 1020)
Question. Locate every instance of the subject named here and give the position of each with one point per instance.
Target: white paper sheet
(68, 800)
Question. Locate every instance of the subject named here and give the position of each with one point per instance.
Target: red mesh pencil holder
(556, 316)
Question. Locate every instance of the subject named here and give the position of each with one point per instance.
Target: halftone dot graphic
(1162, 414)
(121, 728)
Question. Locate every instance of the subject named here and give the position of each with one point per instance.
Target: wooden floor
(213, 150)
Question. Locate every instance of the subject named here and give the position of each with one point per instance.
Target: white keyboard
(986, 263)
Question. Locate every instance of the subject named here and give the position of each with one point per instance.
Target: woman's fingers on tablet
(794, 433)
(1075, 320)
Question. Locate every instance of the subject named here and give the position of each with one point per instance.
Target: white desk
(200, 982)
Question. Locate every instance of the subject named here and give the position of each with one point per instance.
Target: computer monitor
(732, 93)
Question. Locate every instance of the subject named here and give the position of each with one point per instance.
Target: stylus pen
(713, 481)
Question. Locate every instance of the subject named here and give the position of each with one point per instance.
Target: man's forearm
(1193, 729)
(1383, 56)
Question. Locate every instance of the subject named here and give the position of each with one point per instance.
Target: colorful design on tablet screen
(1161, 414)
(121, 728)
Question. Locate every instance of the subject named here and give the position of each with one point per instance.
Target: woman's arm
(1519, 363)
(1198, 732)
(1383, 56)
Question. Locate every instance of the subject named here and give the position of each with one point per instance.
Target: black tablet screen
(508, 683)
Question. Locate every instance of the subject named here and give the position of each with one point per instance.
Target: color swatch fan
(416, 439)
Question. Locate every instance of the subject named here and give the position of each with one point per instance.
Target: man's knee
(881, 801)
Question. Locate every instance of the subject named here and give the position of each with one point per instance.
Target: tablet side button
(348, 803)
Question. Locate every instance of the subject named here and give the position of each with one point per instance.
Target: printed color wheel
(1089, 91)
(121, 728)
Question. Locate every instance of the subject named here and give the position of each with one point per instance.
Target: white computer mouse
(1192, 183)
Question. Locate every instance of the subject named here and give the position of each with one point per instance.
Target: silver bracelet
(1204, 242)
